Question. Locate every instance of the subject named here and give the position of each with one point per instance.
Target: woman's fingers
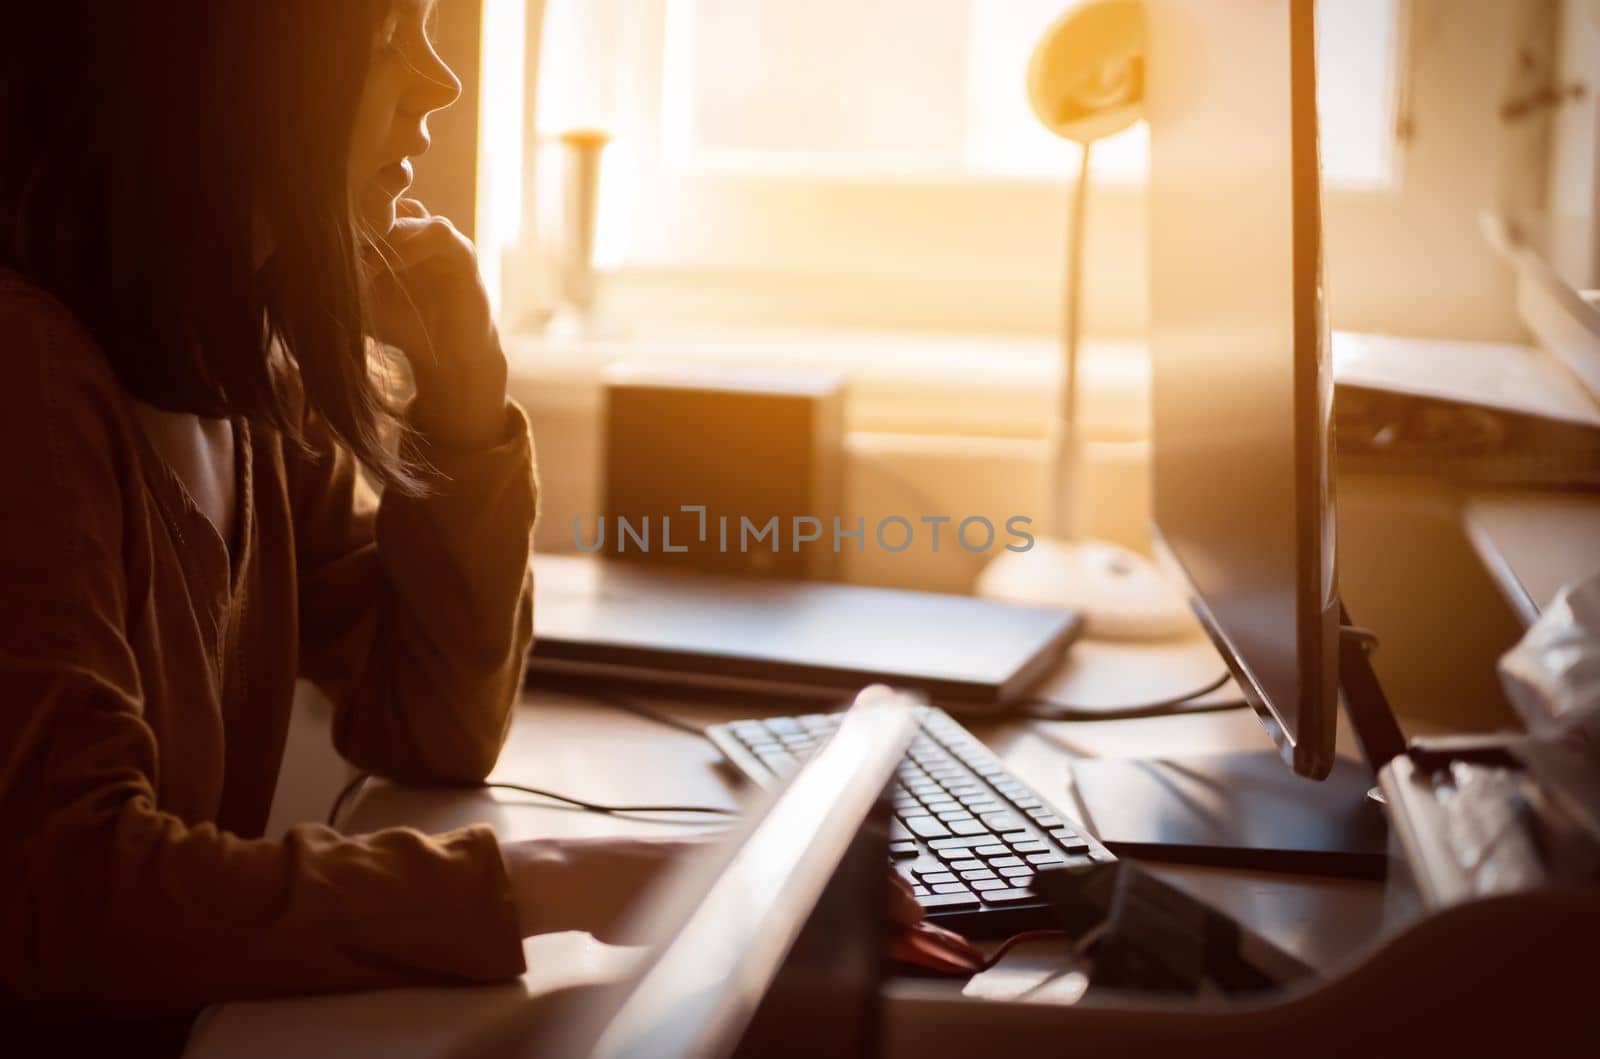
(416, 240)
(903, 906)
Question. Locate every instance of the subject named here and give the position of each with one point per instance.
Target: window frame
(716, 219)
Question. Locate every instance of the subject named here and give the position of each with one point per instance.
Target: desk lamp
(1085, 82)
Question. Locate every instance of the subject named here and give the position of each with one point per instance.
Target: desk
(1533, 542)
(576, 746)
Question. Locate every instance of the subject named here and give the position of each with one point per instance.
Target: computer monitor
(1243, 495)
(772, 929)
(1242, 385)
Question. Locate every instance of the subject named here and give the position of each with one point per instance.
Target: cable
(612, 810)
(346, 792)
(1051, 710)
(650, 714)
(360, 780)
(1019, 939)
(1079, 949)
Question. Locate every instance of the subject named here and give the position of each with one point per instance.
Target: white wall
(1414, 262)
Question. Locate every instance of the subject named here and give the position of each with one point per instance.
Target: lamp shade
(1086, 77)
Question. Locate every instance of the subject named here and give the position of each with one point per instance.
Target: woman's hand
(586, 883)
(428, 300)
(591, 884)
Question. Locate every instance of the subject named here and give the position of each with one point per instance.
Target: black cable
(360, 779)
(1014, 940)
(638, 709)
(1051, 710)
(614, 810)
(346, 792)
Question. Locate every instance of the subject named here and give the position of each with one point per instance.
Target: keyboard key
(928, 827)
(899, 850)
(966, 865)
(977, 876)
(921, 891)
(1024, 874)
(968, 827)
(961, 902)
(979, 806)
(950, 888)
(1007, 897)
(1017, 836)
(940, 804)
(1006, 862)
(1027, 801)
(1001, 821)
(1030, 847)
(1044, 860)
(1047, 821)
(990, 885)
(964, 842)
(963, 789)
(950, 816)
(933, 878)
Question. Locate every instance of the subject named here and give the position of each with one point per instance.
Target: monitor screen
(1242, 382)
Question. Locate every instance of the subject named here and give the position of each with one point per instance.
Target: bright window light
(935, 87)
(1356, 90)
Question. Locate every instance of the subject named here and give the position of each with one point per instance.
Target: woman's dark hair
(149, 154)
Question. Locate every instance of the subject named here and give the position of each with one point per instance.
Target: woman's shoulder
(45, 344)
(62, 402)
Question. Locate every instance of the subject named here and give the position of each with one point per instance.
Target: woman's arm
(417, 615)
(106, 899)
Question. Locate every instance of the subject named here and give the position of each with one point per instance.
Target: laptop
(618, 620)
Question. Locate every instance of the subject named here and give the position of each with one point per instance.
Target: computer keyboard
(967, 834)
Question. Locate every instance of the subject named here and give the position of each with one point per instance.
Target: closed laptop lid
(595, 616)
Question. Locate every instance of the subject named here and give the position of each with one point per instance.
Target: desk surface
(572, 745)
(1533, 542)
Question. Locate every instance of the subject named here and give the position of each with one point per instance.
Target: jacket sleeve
(417, 613)
(105, 898)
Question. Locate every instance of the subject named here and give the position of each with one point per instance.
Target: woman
(202, 220)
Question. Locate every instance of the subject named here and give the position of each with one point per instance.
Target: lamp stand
(1118, 591)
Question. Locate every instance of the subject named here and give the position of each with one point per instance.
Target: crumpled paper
(1552, 676)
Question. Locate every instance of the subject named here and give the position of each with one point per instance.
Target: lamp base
(1119, 592)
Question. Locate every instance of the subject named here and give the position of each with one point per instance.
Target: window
(809, 137)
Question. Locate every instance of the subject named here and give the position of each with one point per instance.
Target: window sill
(897, 382)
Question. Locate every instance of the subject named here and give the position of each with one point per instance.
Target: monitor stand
(1249, 810)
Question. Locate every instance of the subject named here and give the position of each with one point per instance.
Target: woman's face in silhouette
(407, 81)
